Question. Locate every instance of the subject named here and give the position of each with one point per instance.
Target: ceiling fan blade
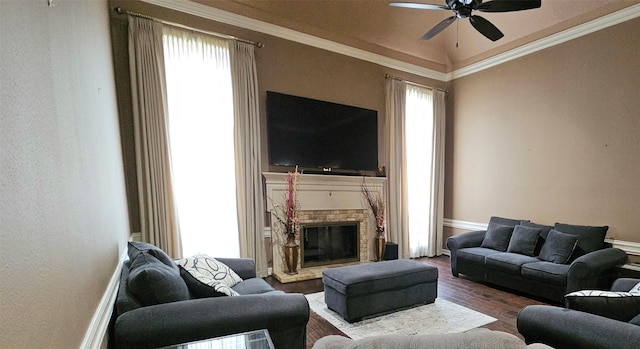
(486, 28)
(508, 5)
(419, 6)
(439, 27)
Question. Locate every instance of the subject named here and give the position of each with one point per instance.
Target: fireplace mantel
(339, 194)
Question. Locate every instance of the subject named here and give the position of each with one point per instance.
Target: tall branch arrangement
(287, 214)
(376, 204)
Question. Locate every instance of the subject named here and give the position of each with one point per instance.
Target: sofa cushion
(476, 255)
(523, 240)
(135, 248)
(211, 272)
(153, 282)
(508, 262)
(558, 247)
(546, 272)
(590, 238)
(253, 286)
(497, 237)
(622, 306)
(506, 221)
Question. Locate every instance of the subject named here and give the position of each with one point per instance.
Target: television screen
(315, 134)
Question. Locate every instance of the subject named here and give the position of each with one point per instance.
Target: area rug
(435, 318)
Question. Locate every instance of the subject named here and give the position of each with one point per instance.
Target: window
(419, 124)
(201, 141)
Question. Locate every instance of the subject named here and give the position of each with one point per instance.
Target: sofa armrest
(285, 316)
(568, 329)
(586, 271)
(244, 267)
(464, 240)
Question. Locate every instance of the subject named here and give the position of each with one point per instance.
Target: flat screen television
(321, 136)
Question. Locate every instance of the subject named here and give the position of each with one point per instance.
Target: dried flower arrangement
(376, 204)
(287, 214)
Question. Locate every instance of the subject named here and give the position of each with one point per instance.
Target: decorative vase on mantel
(381, 243)
(291, 251)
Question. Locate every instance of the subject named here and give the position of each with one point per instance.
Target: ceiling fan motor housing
(463, 8)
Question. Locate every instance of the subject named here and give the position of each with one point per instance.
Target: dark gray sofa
(575, 258)
(602, 323)
(179, 318)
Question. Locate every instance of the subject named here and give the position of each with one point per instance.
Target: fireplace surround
(323, 200)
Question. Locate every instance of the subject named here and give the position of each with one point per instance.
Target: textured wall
(551, 137)
(62, 200)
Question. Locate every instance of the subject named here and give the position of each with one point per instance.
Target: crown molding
(221, 16)
(200, 10)
(603, 22)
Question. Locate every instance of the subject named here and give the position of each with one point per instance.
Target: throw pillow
(197, 284)
(558, 247)
(212, 272)
(523, 240)
(153, 282)
(635, 290)
(545, 229)
(590, 238)
(622, 306)
(497, 237)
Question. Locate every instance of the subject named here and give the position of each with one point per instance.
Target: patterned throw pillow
(635, 290)
(211, 272)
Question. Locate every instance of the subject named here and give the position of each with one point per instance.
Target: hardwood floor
(501, 304)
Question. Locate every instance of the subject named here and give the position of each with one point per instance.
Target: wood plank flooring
(501, 304)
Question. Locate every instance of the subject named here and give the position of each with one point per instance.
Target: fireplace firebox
(330, 243)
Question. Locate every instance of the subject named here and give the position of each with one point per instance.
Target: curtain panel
(248, 158)
(158, 215)
(428, 239)
(397, 222)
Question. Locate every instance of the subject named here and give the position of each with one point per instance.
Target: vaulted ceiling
(374, 26)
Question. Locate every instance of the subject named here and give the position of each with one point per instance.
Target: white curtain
(416, 129)
(397, 222)
(158, 218)
(437, 178)
(247, 155)
(201, 133)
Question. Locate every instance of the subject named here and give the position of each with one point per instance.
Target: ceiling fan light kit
(464, 9)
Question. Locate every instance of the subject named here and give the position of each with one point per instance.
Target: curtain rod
(120, 10)
(387, 76)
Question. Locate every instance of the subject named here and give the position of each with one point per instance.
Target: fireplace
(324, 201)
(324, 244)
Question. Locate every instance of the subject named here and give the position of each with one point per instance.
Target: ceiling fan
(463, 9)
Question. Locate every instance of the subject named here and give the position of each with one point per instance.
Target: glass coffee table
(248, 340)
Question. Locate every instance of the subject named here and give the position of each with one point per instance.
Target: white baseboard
(95, 335)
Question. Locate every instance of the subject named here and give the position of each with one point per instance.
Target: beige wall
(287, 67)
(551, 137)
(62, 200)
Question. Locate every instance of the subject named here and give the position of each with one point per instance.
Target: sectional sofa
(540, 260)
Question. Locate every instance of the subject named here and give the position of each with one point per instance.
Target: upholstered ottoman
(366, 289)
